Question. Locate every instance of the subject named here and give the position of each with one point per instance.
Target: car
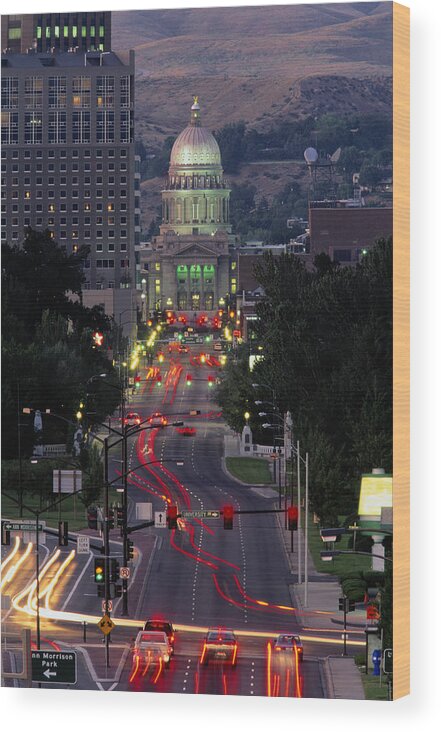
(158, 420)
(152, 645)
(217, 346)
(132, 419)
(163, 626)
(186, 431)
(288, 642)
(182, 349)
(219, 645)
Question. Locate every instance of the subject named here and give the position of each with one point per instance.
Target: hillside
(262, 65)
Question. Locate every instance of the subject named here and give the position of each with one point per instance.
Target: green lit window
(233, 285)
(14, 33)
(157, 287)
(38, 31)
(158, 266)
(101, 47)
(48, 31)
(101, 31)
(57, 31)
(92, 31)
(83, 31)
(182, 268)
(74, 31)
(233, 265)
(66, 31)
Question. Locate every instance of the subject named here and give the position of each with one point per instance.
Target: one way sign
(160, 519)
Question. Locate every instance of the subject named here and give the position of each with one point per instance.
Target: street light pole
(125, 599)
(299, 526)
(306, 526)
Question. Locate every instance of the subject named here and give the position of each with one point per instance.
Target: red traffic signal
(211, 380)
(293, 517)
(189, 379)
(172, 517)
(159, 380)
(228, 516)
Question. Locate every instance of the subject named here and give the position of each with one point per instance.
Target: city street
(196, 576)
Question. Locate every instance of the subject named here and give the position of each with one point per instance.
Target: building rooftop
(62, 59)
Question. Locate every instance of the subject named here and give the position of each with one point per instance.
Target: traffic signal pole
(106, 544)
(125, 598)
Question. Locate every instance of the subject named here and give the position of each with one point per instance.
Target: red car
(132, 419)
(158, 420)
(187, 431)
(219, 645)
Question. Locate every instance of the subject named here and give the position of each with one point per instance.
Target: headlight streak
(59, 572)
(30, 589)
(12, 571)
(268, 669)
(135, 671)
(11, 554)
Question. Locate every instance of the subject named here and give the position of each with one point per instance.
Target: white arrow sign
(49, 673)
(160, 519)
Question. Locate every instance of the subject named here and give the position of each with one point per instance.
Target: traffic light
(92, 517)
(119, 516)
(211, 380)
(346, 605)
(111, 518)
(159, 380)
(6, 535)
(114, 570)
(172, 517)
(189, 379)
(117, 591)
(63, 539)
(228, 517)
(293, 517)
(130, 551)
(99, 571)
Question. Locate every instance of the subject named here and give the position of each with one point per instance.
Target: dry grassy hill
(257, 64)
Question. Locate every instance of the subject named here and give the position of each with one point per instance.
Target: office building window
(105, 91)
(34, 92)
(9, 134)
(57, 91)
(125, 92)
(105, 124)
(81, 91)
(33, 128)
(57, 128)
(81, 127)
(10, 92)
(124, 126)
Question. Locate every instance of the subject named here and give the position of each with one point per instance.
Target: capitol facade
(190, 266)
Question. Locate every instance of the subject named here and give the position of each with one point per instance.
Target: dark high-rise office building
(60, 31)
(68, 158)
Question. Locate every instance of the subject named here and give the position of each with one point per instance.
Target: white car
(152, 645)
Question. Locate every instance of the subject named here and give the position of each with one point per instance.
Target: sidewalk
(343, 678)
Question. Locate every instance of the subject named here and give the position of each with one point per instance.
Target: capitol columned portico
(190, 265)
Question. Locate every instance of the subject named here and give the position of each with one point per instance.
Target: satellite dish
(310, 155)
(335, 157)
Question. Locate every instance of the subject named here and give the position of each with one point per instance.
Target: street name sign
(200, 514)
(160, 519)
(83, 544)
(54, 667)
(106, 624)
(23, 526)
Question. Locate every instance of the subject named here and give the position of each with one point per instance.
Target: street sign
(388, 660)
(109, 605)
(124, 572)
(106, 624)
(200, 514)
(54, 667)
(23, 526)
(66, 481)
(83, 544)
(372, 612)
(160, 519)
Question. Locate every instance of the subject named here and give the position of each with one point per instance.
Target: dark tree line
(326, 337)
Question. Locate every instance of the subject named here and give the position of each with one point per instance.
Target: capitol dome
(195, 146)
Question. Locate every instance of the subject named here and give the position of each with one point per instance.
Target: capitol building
(190, 266)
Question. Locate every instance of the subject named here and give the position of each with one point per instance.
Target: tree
(231, 143)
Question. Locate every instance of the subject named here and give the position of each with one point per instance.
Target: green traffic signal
(99, 571)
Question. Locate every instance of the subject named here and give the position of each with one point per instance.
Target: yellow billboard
(375, 494)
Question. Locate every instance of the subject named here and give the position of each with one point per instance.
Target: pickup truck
(152, 645)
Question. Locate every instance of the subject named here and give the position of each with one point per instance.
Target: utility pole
(299, 538)
(125, 599)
